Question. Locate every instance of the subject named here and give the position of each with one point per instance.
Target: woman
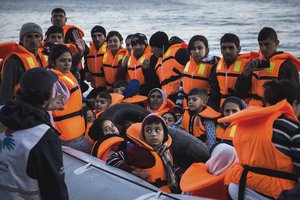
(113, 57)
(266, 141)
(197, 71)
(158, 102)
(69, 121)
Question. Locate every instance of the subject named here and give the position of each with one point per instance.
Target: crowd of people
(243, 106)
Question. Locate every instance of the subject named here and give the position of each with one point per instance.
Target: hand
(252, 66)
(55, 103)
(125, 62)
(146, 64)
(143, 174)
(88, 76)
(79, 42)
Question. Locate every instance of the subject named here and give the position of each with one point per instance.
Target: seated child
(170, 118)
(149, 157)
(102, 102)
(199, 119)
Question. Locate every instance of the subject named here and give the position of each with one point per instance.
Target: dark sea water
(184, 18)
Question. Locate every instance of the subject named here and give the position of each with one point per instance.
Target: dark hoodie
(45, 162)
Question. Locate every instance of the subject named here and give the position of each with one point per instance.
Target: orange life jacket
(29, 61)
(102, 149)
(254, 147)
(169, 71)
(166, 106)
(225, 135)
(260, 77)
(197, 180)
(227, 76)
(95, 65)
(87, 129)
(134, 66)
(194, 125)
(157, 172)
(68, 26)
(110, 65)
(70, 121)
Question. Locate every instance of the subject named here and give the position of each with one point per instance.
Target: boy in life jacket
(230, 106)
(149, 157)
(199, 119)
(102, 102)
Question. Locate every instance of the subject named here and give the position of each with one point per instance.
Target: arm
(210, 131)
(151, 78)
(12, 70)
(214, 95)
(45, 164)
(288, 71)
(182, 56)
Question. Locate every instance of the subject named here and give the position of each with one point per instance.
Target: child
(230, 106)
(170, 118)
(149, 158)
(119, 86)
(199, 119)
(102, 102)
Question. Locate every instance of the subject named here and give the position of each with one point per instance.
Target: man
(20, 58)
(172, 59)
(94, 61)
(279, 66)
(225, 73)
(30, 151)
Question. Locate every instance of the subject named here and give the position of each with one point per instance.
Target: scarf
(168, 165)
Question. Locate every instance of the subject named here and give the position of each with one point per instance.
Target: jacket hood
(18, 115)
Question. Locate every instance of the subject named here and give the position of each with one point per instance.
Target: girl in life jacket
(149, 157)
(230, 106)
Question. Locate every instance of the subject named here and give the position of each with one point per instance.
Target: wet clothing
(45, 163)
(287, 70)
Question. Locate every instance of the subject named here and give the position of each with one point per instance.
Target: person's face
(128, 45)
(101, 104)
(98, 39)
(154, 134)
(114, 44)
(56, 38)
(109, 128)
(138, 49)
(158, 52)
(229, 51)
(199, 51)
(63, 63)
(195, 103)
(90, 116)
(230, 108)
(58, 19)
(268, 47)
(32, 42)
(119, 90)
(155, 100)
(169, 119)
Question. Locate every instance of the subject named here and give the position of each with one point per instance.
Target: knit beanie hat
(151, 117)
(98, 29)
(139, 38)
(29, 28)
(159, 39)
(132, 89)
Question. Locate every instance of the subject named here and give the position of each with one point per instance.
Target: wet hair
(105, 95)
(275, 91)
(230, 37)
(54, 29)
(56, 51)
(129, 36)
(58, 10)
(120, 83)
(200, 92)
(114, 33)
(33, 98)
(197, 38)
(267, 33)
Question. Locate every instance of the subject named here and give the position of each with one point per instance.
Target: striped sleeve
(286, 138)
(180, 96)
(118, 159)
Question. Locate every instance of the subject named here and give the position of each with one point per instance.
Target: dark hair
(69, 35)
(196, 38)
(56, 51)
(58, 10)
(120, 83)
(54, 29)
(171, 113)
(114, 33)
(230, 37)
(275, 91)
(240, 102)
(129, 36)
(201, 92)
(266, 33)
(154, 120)
(105, 95)
(33, 98)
